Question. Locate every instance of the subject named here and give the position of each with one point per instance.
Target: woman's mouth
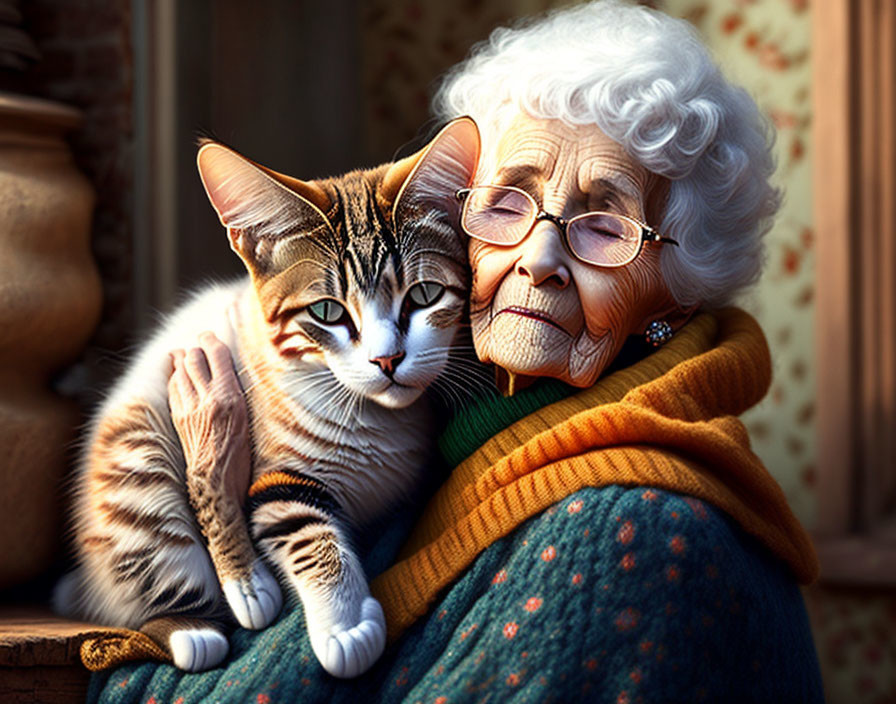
(535, 315)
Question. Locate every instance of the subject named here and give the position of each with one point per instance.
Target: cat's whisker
(340, 401)
(451, 353)
(472, 388)
(474, 380)
(319, 448)
(352, 417)
(448, 395)
(464, 387)
(475, 369)
(304, 384)
(440, 350)
(446, 391)
(468, 360)
(319, 396)
(343, 421)
(463, 373)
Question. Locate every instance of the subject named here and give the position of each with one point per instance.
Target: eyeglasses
(505, 215)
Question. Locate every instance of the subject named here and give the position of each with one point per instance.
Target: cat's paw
(348, 652)
(197, 649)
(255, 600)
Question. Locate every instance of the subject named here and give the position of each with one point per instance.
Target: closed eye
(605, 225)
(505, 210)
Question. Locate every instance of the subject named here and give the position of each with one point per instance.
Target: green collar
(489, 415)
(470, 427)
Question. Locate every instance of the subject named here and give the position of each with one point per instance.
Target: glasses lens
(497, 215)
(604, 239)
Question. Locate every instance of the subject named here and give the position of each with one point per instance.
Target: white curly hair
(648, 82)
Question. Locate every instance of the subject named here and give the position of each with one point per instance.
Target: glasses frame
(647, 233)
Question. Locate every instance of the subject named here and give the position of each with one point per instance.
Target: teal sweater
(612, 595)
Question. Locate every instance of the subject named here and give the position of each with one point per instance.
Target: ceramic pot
(50, 302)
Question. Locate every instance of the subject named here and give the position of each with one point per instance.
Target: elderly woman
(606, 533)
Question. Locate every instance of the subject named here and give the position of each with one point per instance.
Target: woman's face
(537, 310)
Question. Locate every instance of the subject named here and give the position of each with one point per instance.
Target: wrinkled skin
(211, 417)
(568, 170)
(536, 310)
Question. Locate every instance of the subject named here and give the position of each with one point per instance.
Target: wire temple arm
(653, 236)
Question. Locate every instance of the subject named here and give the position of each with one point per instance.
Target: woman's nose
(543, 258)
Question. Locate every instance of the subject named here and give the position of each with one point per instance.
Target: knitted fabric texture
(111, 649)
(667, 421)
(611, 595)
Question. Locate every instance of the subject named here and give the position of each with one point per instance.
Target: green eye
(326, 311)
(426, 293)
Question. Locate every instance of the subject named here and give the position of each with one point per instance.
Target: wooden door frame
(854, 211)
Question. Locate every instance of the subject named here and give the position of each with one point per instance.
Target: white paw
(347, 652)
(255, 601)
(197, 649)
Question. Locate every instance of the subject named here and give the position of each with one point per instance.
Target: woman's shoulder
(666, 584)
(659, 539)
(620, 594)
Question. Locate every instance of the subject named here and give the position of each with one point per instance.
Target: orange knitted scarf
(668, 421)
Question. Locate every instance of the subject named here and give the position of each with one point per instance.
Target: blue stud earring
(658, 333)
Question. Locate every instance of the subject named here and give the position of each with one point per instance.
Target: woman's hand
(209, 412)
(210, 415)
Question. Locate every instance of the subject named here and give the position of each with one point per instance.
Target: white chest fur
(368, 456)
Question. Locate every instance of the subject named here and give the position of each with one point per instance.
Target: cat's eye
(425, 293)
(327, 311)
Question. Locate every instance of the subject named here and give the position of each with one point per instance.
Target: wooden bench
(39, 656)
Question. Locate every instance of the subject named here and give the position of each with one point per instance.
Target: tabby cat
(356, 290)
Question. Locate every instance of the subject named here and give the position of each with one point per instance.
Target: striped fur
(337, 434)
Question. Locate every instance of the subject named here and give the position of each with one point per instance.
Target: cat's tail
(66, 599)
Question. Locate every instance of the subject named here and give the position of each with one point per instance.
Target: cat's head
(365, 273)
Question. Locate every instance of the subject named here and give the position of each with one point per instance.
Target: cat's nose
(388, 362)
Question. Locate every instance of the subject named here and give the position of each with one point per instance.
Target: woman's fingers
(201, 373)
(219, 360)
(177, 357)
(198, 369)
(173, 392)
(182, 394)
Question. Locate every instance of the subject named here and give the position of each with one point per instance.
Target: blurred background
(313, 89)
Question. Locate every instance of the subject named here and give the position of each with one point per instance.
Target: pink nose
(388, 362)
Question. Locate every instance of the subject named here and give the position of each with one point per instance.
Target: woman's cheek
(490, 265)
(611, 300)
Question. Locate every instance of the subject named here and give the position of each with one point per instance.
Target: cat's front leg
(209, 412)
(294, 521)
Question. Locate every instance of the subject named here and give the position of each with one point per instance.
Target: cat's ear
(431, 177)
(261, 209)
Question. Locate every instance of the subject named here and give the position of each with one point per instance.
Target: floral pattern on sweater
(646, 596)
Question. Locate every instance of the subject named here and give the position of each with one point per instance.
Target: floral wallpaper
(764, 45)
(853, 631)
(407, 45)
(761, 44)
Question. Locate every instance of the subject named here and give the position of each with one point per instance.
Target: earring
(659, 332)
